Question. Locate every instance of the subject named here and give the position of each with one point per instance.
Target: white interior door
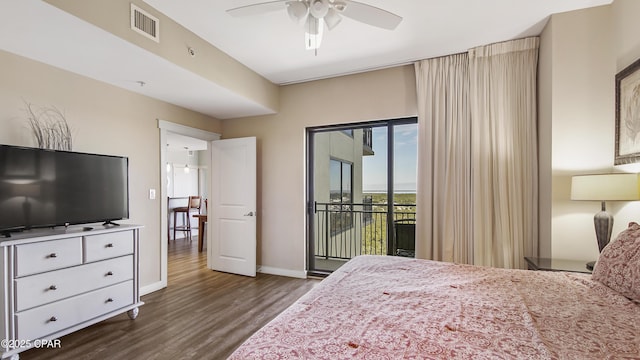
(232, 218)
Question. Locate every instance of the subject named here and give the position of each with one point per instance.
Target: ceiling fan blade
(258, 9)
(371, 15)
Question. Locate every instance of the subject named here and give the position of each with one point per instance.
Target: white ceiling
(270, 44)
(273, 45)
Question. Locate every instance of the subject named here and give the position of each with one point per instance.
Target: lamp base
(590, 265)
(603, 222)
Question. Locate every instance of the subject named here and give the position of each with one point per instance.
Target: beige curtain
(477, 156)
(444, 143)
(504, 148)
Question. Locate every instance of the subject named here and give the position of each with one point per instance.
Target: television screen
(43, 188)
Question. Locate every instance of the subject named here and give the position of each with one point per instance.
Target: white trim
(163, 209)
(300, 274)
(165, 126)
(188, 131)
(148, 289)
(305, 198)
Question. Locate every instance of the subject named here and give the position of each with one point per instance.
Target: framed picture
(628, 115)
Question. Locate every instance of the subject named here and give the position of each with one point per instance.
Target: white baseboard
(301, 274)
(147, 289)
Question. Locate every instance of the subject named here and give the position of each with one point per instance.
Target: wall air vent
(144, 23)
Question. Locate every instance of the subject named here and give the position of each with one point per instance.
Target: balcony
(343, 231)
(367, 142)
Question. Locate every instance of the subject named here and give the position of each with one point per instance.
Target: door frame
(310, 178)
(164, 127)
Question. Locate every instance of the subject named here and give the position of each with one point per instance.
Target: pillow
(618, 266)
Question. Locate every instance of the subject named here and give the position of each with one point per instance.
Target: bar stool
(193, 205)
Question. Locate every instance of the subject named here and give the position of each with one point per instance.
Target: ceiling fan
(316, 13)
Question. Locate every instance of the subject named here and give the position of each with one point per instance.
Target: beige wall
(383, 94)
(545, 100)
(580, 55)
(626, 27)
(106, 120)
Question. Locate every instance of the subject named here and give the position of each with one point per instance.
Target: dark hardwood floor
(202, 314)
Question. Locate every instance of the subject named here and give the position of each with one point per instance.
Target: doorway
(166, 128)
(187, 175)
(361, 192)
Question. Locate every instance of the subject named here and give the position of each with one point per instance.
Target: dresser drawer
(48, 255)
(105, 246)
(36, 290)
(48, 319)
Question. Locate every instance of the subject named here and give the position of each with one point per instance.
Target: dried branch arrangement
(49, 126)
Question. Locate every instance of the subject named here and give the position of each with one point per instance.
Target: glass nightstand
(546, 264)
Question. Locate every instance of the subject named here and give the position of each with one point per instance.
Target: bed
(383, 307)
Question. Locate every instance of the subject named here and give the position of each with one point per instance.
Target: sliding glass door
(360, 191)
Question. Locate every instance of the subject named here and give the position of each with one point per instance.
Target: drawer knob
(109, 300)
(53, 255)
(53, 318)
(109, 245)
(53, 287)
(110, 273)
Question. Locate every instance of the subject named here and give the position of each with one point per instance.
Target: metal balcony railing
(343, 231)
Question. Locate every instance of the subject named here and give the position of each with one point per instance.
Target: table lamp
(604, 187)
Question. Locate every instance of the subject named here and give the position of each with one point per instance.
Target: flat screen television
(48, 188)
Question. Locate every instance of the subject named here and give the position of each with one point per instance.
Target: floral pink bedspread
(378, 307)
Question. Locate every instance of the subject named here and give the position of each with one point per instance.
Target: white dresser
(59, 281)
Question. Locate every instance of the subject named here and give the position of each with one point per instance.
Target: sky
(406, 149)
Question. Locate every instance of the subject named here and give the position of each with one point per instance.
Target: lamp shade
(605, 187)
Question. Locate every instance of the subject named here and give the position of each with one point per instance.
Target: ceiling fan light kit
(332, 19)
(317, 13)
(298, 10)
(319, 8)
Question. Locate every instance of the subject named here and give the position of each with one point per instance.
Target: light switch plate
(152, 194)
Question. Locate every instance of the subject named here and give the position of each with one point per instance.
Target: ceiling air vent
(144, 23)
